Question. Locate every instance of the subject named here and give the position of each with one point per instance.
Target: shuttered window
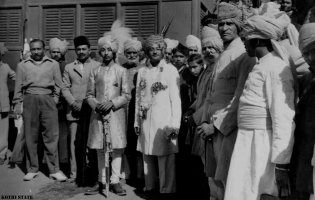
(141, 19)
(11, 26)
(96, 21)
(60, 23)
(203, 13)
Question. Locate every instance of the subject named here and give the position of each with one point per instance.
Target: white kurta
(164, 112)
(266, 126)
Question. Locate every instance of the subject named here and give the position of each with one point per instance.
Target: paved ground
(11, 183)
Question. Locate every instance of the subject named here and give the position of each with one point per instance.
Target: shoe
(59, 176)
(29, 176)
(98, 188)
(117, 189)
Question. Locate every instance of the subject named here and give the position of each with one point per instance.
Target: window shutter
(203, 13)
(10, 26)
(141, 19)
(97, 20)
(60, 23)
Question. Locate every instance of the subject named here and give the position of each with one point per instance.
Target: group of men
(228, 101)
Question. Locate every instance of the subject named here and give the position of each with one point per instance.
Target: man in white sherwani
(108, 92)
(157, 116)
(263, 147)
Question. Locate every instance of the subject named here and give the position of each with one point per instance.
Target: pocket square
(116, 84)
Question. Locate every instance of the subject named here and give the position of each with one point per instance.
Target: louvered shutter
(141, 19)
(60, 23)
(10, 26)
(97, 20)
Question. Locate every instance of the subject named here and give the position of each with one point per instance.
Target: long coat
(165, 110)
(75, 83)
(5, 72)
(108, 84)
(198, 146)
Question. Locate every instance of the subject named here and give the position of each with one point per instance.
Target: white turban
(171, 44)
(193, 41)
(133, 43)
(62, 45)
(211, 37)
(3, 49)
(307, 36)
(116, 37)
(293, 35)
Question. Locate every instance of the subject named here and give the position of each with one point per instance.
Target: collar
(76, 62)
(161, 64)
(270, 54)
(236, 42)
(45, 58)
(182, 68)
(109, 65)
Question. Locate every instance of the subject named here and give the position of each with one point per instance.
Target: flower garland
(155, 88)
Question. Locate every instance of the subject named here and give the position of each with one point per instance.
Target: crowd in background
(228, 116)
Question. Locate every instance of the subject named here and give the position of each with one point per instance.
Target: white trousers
(116, 166)
(4, 131)
(162, 167)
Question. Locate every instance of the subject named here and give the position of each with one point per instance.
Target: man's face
(250, 47)
(168, 55)
(227, 30)
(132, 55)
(210, 53)
(287, 5)
(107, 53)
(83, 52)
(195, 68)
(37, 51)
(141, 54)
(56, 54)
(193, 50)
(309, 55)
(155, 53)
(179, 59)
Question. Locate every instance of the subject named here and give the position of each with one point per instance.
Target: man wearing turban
(75, 79)
(158, 116)
(214, 123)
(266, 111)
(193, 44)
(5, 73)
(170, 45)
(108, 93)
(132, 50)
(304, 145)
(58, 49)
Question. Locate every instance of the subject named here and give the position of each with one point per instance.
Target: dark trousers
(40, 111)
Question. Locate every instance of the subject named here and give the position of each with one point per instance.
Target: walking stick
(106, 140)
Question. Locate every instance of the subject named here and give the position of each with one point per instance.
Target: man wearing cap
(215, 126)
(158, 116)
(171, 44)
(75, 79)
(193, 44)
(5, 73)
(263, 148)
(38, 84)
(305, 140)
(58, 49)
(107, 94)
(132, 50)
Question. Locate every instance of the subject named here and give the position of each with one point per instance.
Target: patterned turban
(132, 43)
(3, 49)
(227, 11)
(193, 41)
(211, 37)
(307, 36)
(154, 39)
(108, 39)
(55, 43)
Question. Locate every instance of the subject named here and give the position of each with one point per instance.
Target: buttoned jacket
(75, 83)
